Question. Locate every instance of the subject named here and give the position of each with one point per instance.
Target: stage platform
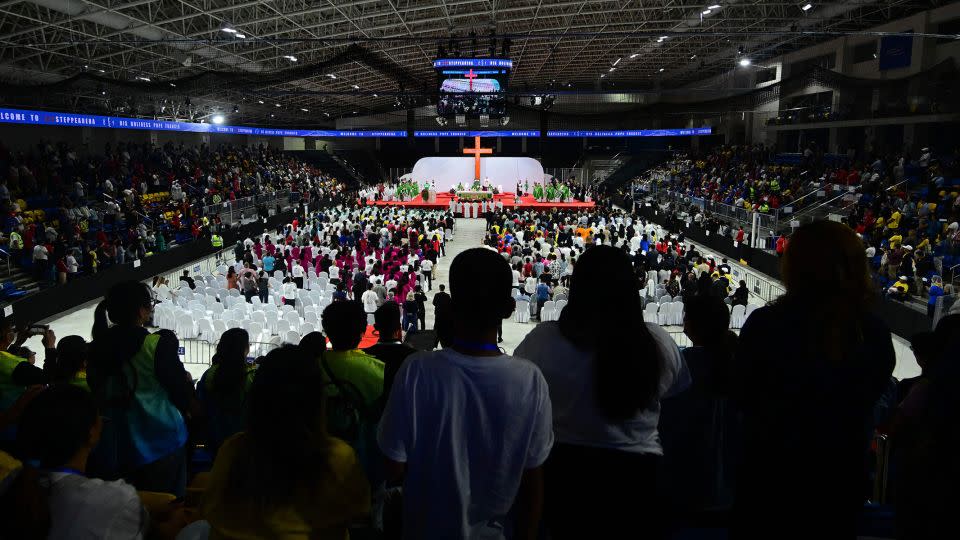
(527, 202)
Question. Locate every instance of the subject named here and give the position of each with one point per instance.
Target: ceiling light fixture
(290, 57)
(101, 71)
(807, 7)
(693, 56)
(331, 75)
(241, 36)
(355, 87)
(617, 61)
(706, 12)
(217, 119)
(229, 30)
(634, 55)
(662, 70)
(305, 110)
(602, 75)
(613, 69)
(145, 79)
(173, 85)
(276, 105)
(260, 101)
(715, 6)
(744, 62)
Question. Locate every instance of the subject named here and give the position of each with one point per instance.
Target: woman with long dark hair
(142, 388)
(809, 369)
(285, 477)
(607, 370)
(224, 387)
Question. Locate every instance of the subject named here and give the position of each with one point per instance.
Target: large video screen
(472, 87)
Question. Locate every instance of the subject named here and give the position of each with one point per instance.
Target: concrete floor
(469, 233)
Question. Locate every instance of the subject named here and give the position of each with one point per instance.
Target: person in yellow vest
(216, 241)
(894, 222)
(16, 245)
(142, 387)
(16, 374)
(899, 289)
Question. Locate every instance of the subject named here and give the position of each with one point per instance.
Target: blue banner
(15, 116)
(473, 63)
(685, 132)
(533, 133)
(895, 52)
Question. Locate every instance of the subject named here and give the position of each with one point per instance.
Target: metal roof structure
(278, 61)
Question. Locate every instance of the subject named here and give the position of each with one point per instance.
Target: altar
(475, 195)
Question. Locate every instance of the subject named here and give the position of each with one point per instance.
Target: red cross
(471, 76)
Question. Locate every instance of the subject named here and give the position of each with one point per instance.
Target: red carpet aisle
(508, 200)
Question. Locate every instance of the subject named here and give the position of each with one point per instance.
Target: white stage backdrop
(503, 171)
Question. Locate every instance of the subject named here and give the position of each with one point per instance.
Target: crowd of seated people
(371, 254)
(906, 212)
(754, 178)
(68, 212)
(468, 441)
(543, 248)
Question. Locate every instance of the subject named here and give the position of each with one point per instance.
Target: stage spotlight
(807, 7)
(217, 119)
(260, 101)
(744, 62)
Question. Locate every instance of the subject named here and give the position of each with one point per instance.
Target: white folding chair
(737, 316)
(205, 329)
(185, 327)
(522, 313)
(260, 317)
(255, 329)
(306, 328)
(558, 308)
(676, 313)
(293, 318)
(650, 313)
(292, 337)
(665, 299)
(546, 312)
(278, 274)
(216, 309)
(219, 327)
(311, 317)
(282, 327)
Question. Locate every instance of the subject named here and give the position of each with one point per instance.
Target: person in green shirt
(355, 381)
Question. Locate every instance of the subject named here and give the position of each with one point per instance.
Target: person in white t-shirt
(57, 431)
(427, 269)
(296, 270)
(370, 299)
(467, 428)
(607, 371)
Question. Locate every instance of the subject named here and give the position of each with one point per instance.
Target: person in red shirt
(781, 245)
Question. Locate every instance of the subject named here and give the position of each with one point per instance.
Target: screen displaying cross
(470, 75)
(476, 151)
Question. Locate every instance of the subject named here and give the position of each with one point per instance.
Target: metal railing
(231, 211)
(768, 222)
(199, 351)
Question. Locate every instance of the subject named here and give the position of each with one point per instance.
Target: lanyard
(66, 470)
